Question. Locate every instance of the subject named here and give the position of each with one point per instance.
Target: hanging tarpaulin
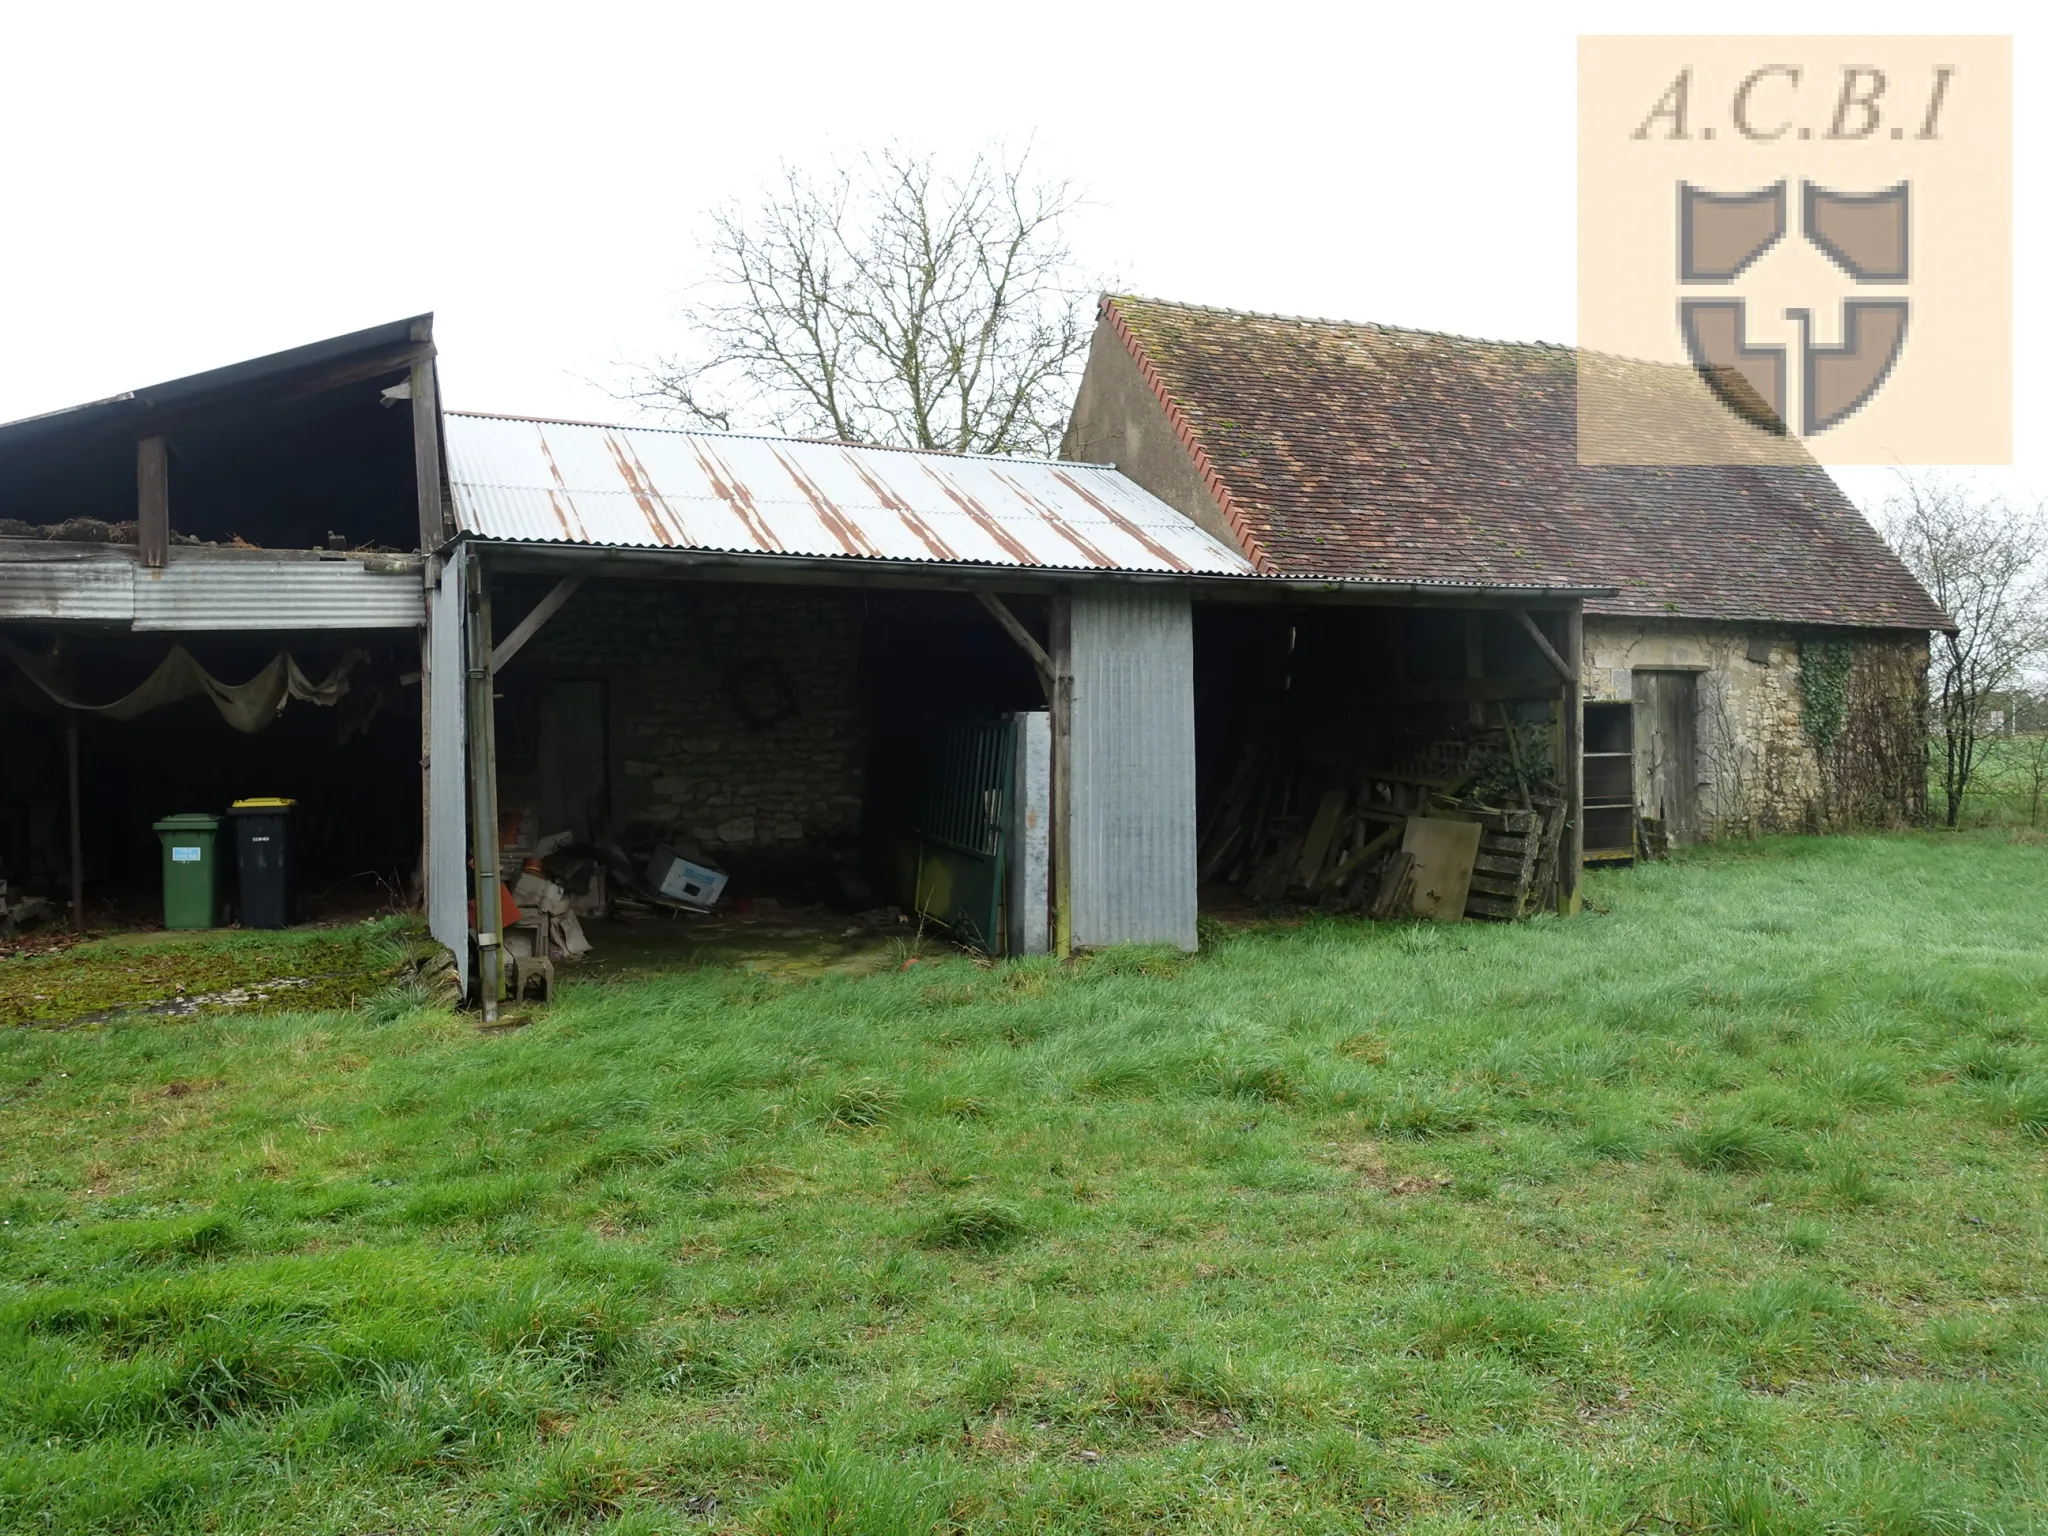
(246, 706)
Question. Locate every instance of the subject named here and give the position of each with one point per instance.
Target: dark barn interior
(309, 450)
(279, 461)
(793, 737)
(1320, 728)
(352, 768)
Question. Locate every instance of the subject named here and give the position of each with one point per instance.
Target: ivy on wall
(1824, 666)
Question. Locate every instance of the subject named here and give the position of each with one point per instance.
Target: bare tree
(887, 303)
(1986, 563)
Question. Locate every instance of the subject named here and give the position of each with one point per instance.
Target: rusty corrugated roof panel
(651, 488)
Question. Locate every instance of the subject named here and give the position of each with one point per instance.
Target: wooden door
(1667, 751)
(572, 759)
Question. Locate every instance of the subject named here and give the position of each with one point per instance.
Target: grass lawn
(1720, 1208)
(2009, 787)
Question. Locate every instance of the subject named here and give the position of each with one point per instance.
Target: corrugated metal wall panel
(252, 593)
(91, 588)
(1030, 811)
(447, 772)
(1134, 767)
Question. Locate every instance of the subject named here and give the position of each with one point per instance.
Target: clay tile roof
(1348, 450)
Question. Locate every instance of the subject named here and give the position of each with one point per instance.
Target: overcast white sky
(187, 185)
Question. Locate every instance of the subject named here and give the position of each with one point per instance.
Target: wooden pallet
(1504, 874)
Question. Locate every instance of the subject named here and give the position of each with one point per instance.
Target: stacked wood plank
(1327, 850)
(1339, 847)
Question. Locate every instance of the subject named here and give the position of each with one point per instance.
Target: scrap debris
(561, 883)
(20, 911)
(1372, 843)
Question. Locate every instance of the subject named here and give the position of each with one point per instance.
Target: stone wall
(733, 710)
(1766, 764)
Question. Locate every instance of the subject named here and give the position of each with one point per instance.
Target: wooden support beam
(1461, 690)
(481, 750)
(1564, 670)
(1571, 852)
(77, 838)
(153, 501)
(1026, 641)
(529, 626)
(426, 454)
(1475, 662)
(1566, 673)
(1062, 838)
(341, 375)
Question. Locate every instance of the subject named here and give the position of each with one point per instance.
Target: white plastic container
(680, 880)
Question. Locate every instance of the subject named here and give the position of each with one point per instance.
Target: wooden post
(483, 789)
(1475, 662)
(152, 501)
(430, 573)
(1571, 853)
(1062, 701)
(426, 455)
(77, 834)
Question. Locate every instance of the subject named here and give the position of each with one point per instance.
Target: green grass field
(2009, 787)
(1718, 1209)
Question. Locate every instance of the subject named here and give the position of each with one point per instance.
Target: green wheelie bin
(191, 870)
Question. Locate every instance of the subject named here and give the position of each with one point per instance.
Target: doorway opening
(1667, 753)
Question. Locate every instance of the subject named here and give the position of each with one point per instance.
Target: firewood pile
(1339, 846)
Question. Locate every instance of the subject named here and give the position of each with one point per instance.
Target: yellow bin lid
(265, 802)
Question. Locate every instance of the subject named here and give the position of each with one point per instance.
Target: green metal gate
(961, 829)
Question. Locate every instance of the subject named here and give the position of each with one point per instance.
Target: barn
(1758, 662)
(1041, 704)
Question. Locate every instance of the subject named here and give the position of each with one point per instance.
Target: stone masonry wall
(1760, 769)
(687, 666)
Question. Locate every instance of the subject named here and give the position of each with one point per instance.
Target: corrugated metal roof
(650, 488)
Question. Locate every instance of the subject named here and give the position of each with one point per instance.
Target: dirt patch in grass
(1363, 1159)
